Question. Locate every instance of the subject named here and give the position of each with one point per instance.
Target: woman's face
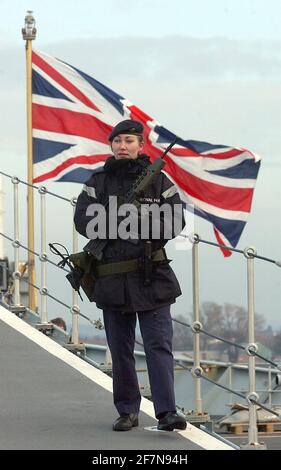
(126, 146)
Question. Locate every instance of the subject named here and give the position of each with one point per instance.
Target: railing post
(197, 416)
(74, 345)
(2, 249)
(197, 371)
(269, 386)
(16, 273)
(43, 325)
(75, 308)
(252, 348)
(43, 256)
(230, 380)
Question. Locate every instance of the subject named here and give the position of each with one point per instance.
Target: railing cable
(34, 252)
(231, 343)
(37, 187)
(224, 387)
(198, 239)
(96, 323)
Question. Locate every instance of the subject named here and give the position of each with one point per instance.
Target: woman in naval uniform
(125, 288)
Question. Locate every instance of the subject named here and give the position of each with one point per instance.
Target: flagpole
(29, 33)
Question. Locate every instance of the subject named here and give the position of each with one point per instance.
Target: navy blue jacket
(126, 291)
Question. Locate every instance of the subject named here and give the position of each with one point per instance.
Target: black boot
(125, 422)
(171, 421)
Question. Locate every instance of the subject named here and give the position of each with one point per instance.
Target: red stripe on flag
(228, 153)
(55, 75)
(81, 160)
(225, 251)
(186, 152)
(139, 115)
(64, 121)
(235, 199)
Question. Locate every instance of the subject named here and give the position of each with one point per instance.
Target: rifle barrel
(169, 147)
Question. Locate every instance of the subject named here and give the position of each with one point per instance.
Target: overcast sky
(207, 70)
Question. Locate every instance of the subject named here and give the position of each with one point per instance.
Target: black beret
(129, 126)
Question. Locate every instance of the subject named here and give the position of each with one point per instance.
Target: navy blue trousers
(157, 332)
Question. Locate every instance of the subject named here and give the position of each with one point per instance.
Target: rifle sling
(128, 265)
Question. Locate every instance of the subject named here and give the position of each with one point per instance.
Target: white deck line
(191, 433)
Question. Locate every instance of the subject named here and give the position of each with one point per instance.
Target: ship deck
(52, 399)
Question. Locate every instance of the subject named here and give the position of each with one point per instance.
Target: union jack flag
(73, 115)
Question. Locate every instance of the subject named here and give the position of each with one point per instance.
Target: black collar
(126, 166)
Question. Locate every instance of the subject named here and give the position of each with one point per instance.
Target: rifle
(96, 246)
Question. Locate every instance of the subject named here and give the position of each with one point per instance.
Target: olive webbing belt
(128, 265)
